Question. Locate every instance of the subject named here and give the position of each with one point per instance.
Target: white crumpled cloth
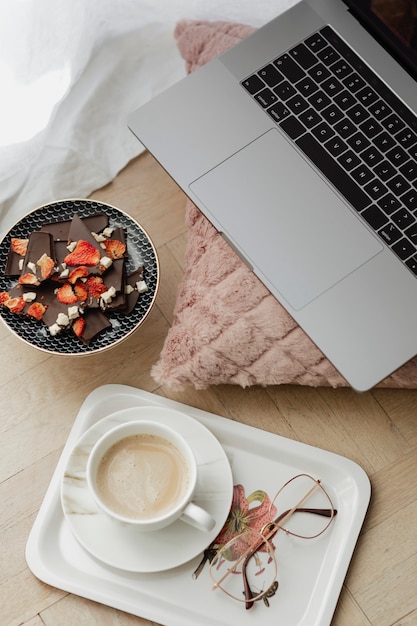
(71, 71)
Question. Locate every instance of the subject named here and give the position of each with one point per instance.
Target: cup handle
(197, 517)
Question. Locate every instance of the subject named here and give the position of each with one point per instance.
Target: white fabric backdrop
(70, 73)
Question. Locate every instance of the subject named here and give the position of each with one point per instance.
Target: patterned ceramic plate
(140, 250)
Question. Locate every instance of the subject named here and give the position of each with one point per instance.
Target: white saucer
(127, 548)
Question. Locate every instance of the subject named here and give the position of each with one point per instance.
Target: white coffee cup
(143, 474)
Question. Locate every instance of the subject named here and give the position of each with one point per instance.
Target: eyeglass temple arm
(322, 512)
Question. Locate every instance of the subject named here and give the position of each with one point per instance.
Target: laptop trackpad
(288, 223)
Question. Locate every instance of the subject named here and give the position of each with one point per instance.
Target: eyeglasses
(245, 567)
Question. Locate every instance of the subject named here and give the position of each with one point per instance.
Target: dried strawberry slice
(28, 279)
(114, 249)
(66, 295)
(95, 286)
(46, 265)
(84, 253)
(78, 326)
(19, 246)
(4, 296)
(36, 310)
(79, 272)
(16, 305)
(81, 291)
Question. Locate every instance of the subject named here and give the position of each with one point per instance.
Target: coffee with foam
(142, 476)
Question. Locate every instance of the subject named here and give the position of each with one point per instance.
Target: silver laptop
(300, 146)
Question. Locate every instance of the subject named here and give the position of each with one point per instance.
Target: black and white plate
(140, 250)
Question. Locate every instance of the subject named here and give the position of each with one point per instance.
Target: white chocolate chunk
(62, 319)
(73, 312)
(108, 295)
(55, 329)
(29, 296)
(105, 261)
(141, 286)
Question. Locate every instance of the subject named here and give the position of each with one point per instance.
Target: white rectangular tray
(309, 584)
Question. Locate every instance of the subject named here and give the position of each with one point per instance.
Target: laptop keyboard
(352, 127)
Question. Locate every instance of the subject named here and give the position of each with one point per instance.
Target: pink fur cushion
(227, 327)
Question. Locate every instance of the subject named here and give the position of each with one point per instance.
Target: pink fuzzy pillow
(227, 327)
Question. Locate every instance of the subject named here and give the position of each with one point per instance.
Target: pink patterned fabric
(227, 327)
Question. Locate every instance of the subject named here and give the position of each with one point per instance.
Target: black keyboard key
(297, 104)
(333, 172)
(285, 90)
(306, 86)
(389, 203)
(323, 132)
(370, 128)
(375, 217)
(345, 100)
(409, 199)
(292, 127)
(375, 189)
(271, 75)
(367, 96)
(354, 82)
(393, 123)
(411, 263)
(372, 156)
(266, 97)
(390, 233)
(380, 110)
(357, 113)
(310, 118)
(319, 72)
(332, 114)
(316, 42)
(278, 112)
(319, 100)
(397, 156)
(384, 141)
(332, 86)
(336, 146)
(411, 233)
(409, 170)
(413, 153)
(403, 248)
(345, 128)
(398, 185)
(406, 138)
(385, 170)
(253, 84)
(328, 55)
(348, 160)
(358, 142)
(403, 219)
(291, 70)
(362, 174)
(342, 69)
(303, 56)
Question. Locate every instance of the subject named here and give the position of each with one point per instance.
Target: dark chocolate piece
(79, 231)
(95, 323)
(132, 279)
(40, 245)
(60, 230)
(13, 263)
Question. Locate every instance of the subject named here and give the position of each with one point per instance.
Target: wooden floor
(41, 395)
